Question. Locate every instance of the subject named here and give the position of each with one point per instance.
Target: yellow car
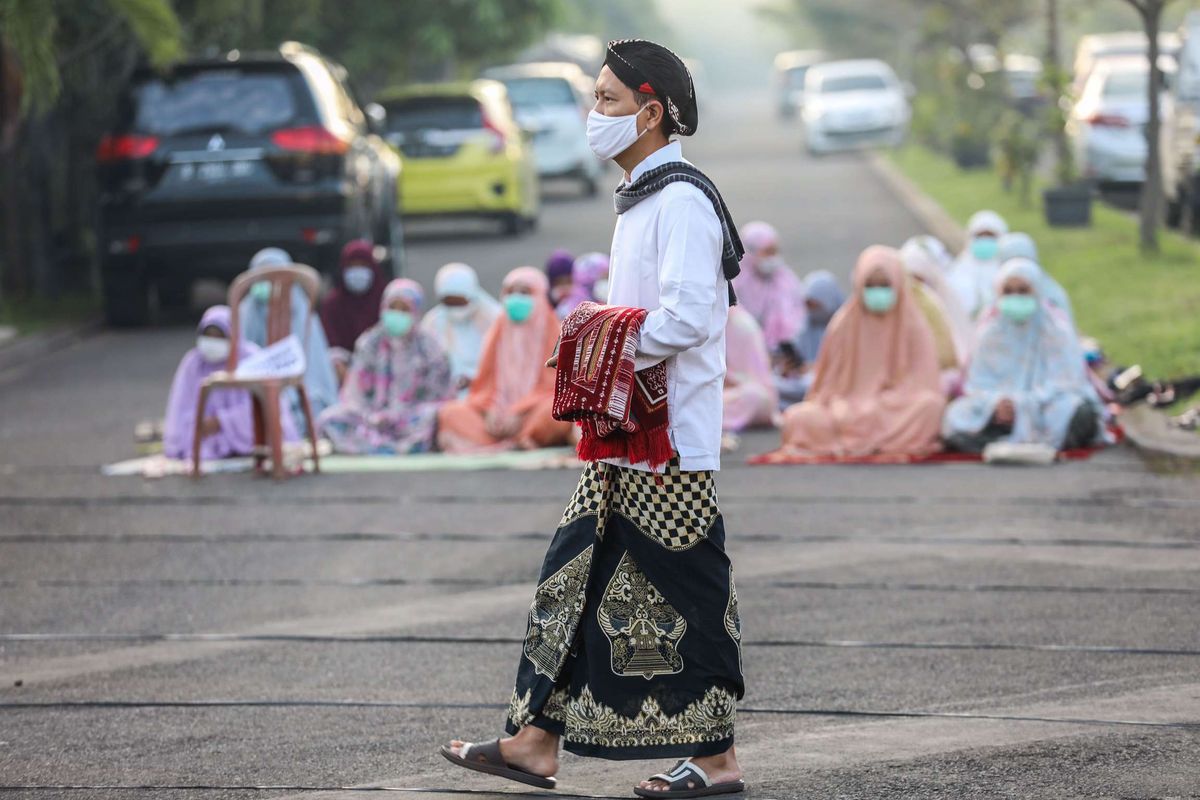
(463, 153)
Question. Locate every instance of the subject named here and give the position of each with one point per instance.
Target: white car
(1096, 48)
(1107, 126)
(791, 68)
(551, 101)
(853, 104)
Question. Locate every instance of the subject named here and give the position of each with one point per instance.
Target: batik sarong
(633, 645)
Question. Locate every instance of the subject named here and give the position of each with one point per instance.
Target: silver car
(551, 101)
(1107, 126)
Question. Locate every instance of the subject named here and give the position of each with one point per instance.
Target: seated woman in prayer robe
(876, 388)
(558, 272)
(974, 272)
(352, 305)
(589, 282)
(460, 321)
(228, 426)
(320, 379)
(1027, 382)
(767, 287)
(794, 363)
(750, 396)
(509, 403)
(398, 380)
(1021, 245)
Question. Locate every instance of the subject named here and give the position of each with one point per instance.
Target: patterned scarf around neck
(653, 181)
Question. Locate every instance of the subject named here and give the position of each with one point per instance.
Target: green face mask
(1018, 307)
(261, 291)
(395, 322)
(518, 306)
(879, 299)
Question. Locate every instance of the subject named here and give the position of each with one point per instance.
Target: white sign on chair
(284, 359)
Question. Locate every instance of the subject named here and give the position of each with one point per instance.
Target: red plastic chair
(266, 392)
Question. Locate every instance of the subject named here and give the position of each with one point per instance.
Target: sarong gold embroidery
(555, 614)
(708, 719)
(643, 629)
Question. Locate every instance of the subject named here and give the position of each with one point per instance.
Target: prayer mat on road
(779, 457)
(550, 458)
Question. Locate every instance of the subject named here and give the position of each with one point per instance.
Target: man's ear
(654, 115)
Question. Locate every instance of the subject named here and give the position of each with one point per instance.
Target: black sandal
(687, 780)
(486, 757)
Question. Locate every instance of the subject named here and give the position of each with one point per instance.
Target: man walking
(633, 646)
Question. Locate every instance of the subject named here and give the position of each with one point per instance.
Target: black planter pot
(1068, 206)
(971, 154)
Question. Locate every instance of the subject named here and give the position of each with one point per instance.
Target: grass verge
(1144, 309)
(35, 314)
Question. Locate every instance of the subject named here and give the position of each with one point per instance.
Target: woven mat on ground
(160, 466)
(779, 457)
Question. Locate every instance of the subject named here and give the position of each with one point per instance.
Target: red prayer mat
(622, 413)
(779, 457)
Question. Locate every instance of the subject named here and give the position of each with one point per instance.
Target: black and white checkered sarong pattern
(672, 507)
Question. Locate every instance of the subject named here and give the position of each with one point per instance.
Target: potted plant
(1069, 204)
(970, 147)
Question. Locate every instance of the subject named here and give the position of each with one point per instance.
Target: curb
(20, 350)
(1146, 429)
(1150, 433)
(928, 211)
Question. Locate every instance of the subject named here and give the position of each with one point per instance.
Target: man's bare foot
(721, 768)
(532, 749)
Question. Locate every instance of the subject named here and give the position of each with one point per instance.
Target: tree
(1151, 204)
(54, 49)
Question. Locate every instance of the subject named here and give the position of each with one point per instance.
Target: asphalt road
(943, 631)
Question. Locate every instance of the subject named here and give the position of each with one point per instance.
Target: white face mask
(610, 136)
(600, 291)
(770, 265)
(358, 279)
(213, 349)
(458, 313)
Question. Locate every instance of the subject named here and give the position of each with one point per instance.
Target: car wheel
(128, 299)
(1174, 212)
(512, 224)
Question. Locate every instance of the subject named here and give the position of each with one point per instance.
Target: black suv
(217, 158)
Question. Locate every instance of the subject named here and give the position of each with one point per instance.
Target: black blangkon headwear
(653, 69)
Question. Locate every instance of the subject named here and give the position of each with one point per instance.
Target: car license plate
(216, 171)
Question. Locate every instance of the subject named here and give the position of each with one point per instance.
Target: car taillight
(498, 139)
(1108, 121)
(310, 139)
(126, 147)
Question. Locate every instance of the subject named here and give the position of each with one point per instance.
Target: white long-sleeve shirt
(666, 258)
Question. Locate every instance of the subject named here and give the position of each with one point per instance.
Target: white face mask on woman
(358, 278)
(610, 136)
(213, 349)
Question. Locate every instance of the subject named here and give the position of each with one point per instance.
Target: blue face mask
(1018, 307)
(986, 248)
(395, 322)
(879, 299)
(261, 291)
(518, 306)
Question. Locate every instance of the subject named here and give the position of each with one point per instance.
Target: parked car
(791, 67)
(852, 104)
(216, 158)
(1107, 126)
(551, 100)
(463, 153)
(1180, 138)
(1094, 48)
